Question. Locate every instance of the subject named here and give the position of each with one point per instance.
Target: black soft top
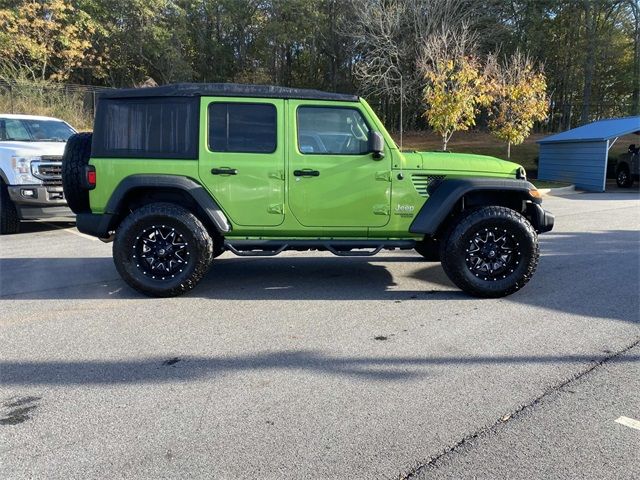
(227, 90)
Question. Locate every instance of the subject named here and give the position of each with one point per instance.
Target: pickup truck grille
(49, 170)
(421, 182)
(51, 158)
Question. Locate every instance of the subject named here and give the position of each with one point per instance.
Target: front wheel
(490, 252)
(9, 219)
(162, 250)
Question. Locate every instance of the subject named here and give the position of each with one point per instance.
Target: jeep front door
(242, 158)
(334, 179)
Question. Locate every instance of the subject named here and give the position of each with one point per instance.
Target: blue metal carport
(579, 156)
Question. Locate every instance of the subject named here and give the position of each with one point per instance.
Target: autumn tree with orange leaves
(518, 93)
(48, 39)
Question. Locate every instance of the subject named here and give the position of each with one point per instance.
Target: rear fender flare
(196, 191)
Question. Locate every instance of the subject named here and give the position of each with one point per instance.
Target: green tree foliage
(590, 48)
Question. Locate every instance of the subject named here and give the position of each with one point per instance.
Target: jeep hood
(32, 149)
(444, 162)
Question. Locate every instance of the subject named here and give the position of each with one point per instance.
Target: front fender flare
(446, 193)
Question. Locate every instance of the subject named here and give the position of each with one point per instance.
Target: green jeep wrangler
(178, 174)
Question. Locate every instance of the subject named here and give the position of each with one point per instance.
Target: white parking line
(71, 230)
(628, 422)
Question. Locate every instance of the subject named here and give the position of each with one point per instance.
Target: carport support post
(606, 161)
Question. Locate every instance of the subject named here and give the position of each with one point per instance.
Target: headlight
(22, 167)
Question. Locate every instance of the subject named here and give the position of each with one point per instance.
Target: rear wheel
(624, 179)
(490, 252)
(162, 250)
(9, 219)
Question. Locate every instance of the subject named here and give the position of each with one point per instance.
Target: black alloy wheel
(162, 250)
(490, 251)
(493, 254)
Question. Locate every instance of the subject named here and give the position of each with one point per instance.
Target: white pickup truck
(31, 151)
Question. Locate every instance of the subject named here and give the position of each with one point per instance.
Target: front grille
(421, 182)
(50, 172)
(52, 183)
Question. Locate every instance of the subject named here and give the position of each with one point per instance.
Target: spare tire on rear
(75, 159)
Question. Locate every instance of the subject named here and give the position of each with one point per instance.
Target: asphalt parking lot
(313, 366)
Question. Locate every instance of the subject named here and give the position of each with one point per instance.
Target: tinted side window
(332, 131)
(242, 127)
(147, 128)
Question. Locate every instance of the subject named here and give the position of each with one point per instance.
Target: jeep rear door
(242, 158)
(334, 180)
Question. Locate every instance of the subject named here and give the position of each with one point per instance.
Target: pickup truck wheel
(624, 179)
(490, 252)
(76, 157)
(162, 250)
(9, 219)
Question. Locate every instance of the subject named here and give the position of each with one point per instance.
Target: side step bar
(341, 248)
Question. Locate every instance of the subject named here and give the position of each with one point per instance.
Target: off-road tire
(9, 219)
(496, 222)
(76, 157)
(198, 250)
(429, 248)
(624, 179)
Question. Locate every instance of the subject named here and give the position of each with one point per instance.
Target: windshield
(20, 130)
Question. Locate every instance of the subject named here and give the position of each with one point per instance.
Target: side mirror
(377, 145)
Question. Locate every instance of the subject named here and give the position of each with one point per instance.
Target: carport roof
(599, 131)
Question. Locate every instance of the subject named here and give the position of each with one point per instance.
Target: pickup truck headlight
(22, 167)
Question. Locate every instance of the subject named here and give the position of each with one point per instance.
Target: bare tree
(389, 36)
(448, 43)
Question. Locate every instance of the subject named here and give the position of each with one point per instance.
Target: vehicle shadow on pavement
(159, 370)
(35, 227)
(583, 273)
(231, 278)
(326, 278)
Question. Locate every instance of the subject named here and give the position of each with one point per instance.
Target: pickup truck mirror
(376, 145)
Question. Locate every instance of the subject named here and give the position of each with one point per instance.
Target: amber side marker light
(535, 193)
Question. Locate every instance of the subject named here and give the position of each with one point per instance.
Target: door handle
(306, 173)
(224, 171)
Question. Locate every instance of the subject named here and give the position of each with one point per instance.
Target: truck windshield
(27, 130)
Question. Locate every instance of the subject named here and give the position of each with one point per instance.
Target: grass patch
(47, 99)
(548, 184)
(480, 143)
